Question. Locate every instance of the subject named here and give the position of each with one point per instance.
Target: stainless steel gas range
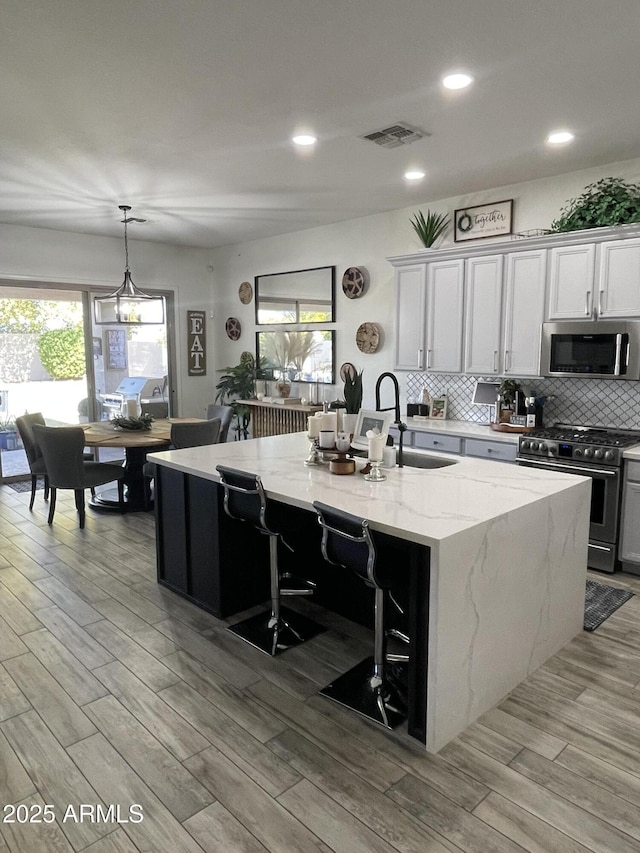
(593, 452)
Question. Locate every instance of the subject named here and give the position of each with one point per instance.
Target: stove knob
(598, 454)
(588, 452)
(577, 453)
(526, 444)
(552, 449)
(542, 447)
(609, 455)
(534, 445)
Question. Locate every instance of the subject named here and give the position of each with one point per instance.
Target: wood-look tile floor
(115, 691)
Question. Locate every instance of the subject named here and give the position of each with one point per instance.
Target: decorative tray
(511, 428)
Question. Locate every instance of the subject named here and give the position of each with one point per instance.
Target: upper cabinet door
(618, 293)
(445, 313)
(483, 315)
(410, 317)
(571, 283)
(524, 312)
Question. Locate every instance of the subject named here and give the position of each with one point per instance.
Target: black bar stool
(367, 687)
(245, 500)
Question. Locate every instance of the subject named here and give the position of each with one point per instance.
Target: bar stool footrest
(293, 585)
(354, 690)
(292, 630)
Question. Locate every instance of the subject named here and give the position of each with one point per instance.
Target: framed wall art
(197, 343)
(116, 346)
(483, 220)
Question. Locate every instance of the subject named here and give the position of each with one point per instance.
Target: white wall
(367, 242)
(41, 255)
(34, 254)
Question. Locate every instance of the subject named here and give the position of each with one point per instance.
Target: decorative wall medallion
(347, 369)
(368, 337)
(233, 328)
(247, 358)
(354, 282)
(245, 292)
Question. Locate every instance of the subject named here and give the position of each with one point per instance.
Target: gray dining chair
(195, 434)
(37, 467)
(62, 449)
(225, 413)
(183, 436)
(155, 408)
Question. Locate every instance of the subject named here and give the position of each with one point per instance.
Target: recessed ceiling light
(560, 137)
(414, 175)
(457, 81)
(304, 139)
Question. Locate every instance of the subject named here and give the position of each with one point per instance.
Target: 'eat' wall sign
(196, 339)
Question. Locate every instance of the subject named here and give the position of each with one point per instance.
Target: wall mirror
(301, 296)
(306, 356)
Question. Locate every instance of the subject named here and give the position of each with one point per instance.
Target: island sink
(421, 460)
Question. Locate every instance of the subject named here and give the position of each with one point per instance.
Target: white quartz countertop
(424, 506)
(462, 429)
(632, 454)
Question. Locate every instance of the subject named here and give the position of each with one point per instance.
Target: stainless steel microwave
(604, 349)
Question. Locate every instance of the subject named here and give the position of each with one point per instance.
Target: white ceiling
(184, 108)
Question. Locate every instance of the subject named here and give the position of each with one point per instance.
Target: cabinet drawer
(499, 450)
(632, 471)
(435, 441)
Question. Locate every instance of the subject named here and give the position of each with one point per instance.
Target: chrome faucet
(401, 426)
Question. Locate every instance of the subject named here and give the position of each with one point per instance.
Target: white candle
(376, 447)
(328, 421)
(132, 408)
(313, 427)
(327, 438)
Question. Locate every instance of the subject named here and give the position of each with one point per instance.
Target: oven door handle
(599, 472)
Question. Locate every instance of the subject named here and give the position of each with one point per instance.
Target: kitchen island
(496, 556)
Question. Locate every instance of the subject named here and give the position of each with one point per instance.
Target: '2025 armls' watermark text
(78, 813)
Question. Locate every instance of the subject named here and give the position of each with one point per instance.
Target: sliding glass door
(55, 360)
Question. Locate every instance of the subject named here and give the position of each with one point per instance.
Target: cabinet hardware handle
(420, 357)
(435, 441)
(507, 360)
(495, 360)
(600, 295)
(428, 359)
(586, 303)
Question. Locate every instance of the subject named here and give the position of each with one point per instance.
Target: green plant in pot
(238, 384)
(430, 227)
(352, 399)
(609, 201)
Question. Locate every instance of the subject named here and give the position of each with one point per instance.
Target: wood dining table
(136, 444)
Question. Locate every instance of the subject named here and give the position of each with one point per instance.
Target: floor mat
(601, 601)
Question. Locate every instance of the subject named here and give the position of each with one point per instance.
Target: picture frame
(116, 346)
(483, 220)
(370, 419)
(438, 410)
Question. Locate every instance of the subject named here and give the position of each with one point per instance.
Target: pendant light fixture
(128, 305)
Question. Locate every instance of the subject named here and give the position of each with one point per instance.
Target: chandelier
(128, 305)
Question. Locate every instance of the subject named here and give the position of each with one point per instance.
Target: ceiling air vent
(395, 136)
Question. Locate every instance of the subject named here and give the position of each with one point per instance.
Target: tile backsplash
(601, 402)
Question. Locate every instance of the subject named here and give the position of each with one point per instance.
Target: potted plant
(352, 399)
(9, 438)
(609, 201)
(238, 384)
(431, 227)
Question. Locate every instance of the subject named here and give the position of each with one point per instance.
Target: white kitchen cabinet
(572, 282)
(437, 441)
(410, 317)
(445, 301)
(630, 526)
(483, 315)
(524, 305)
(429, 316)
(618, 290)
